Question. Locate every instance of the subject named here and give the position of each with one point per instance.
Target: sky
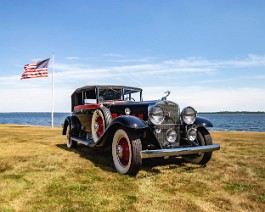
(209, 54)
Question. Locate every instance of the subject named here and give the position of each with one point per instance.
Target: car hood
(139, 109)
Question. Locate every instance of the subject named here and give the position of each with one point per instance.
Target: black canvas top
(92, 87)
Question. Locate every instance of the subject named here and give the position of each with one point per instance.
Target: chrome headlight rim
(154, 117)
(171, 135)
(188, 115)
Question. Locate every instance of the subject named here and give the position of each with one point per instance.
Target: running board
(86, 142)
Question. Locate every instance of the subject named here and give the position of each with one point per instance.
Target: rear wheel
(203, 138)
(69, 142)
(126, 150)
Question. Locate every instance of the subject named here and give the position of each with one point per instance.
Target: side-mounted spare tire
(101, 119)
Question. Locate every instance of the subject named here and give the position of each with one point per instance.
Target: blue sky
(210, 54)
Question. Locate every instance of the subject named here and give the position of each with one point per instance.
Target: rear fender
(202, 122)
(74, 123)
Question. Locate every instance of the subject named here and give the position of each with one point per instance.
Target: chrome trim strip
(168, 125)
(178, 151)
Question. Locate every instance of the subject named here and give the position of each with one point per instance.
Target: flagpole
(52, 87)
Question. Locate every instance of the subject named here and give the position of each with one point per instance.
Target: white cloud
(78, 70)
(25, 100)
(213, 99)
(259, 77)
(250, 61)
(201, 98)
(66, 74)
(35, 94)
(72, 58)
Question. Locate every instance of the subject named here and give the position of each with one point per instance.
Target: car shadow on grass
(102, 158)
(160, 165)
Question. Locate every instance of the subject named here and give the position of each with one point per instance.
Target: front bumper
(178, 151)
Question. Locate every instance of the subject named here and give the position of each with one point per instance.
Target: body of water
(237, 122)
(221, 122)
(36, 119)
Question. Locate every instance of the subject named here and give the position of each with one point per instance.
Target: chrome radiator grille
(171, 112)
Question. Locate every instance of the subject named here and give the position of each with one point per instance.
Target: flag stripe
(34, 72)
(36, 69)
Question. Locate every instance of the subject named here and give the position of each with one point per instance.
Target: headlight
(188, 115)
(156, 115)
(191, 134)
(171, 136)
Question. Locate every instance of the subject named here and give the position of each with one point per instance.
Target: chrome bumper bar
(178, 151)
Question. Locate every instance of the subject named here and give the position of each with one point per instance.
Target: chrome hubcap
(96, 126)
(119, 151)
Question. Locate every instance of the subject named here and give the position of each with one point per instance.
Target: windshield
(132, 95)
(110, 94)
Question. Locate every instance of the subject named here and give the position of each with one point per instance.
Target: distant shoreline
(233, 112)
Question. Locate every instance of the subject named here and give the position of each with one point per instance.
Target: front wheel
(126, 150)
(203, 138)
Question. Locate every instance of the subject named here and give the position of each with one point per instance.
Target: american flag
(36, 69)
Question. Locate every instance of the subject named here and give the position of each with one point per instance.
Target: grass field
(37, 172)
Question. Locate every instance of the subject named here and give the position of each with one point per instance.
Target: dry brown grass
(37, 172)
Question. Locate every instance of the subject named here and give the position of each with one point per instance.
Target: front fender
(131, 122)
(127, 122)
(202, 122)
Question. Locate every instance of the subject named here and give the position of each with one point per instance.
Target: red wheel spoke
(124, 159)
(100, 131)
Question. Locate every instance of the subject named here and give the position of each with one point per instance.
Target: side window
(90, 97)
(79, 99)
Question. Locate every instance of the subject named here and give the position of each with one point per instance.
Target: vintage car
(117, 117)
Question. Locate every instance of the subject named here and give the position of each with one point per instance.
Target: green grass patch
(259, 198)
(238, 187)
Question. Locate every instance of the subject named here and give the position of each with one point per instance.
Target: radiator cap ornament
(165, 97)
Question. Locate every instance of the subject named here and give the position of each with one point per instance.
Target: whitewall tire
(69, 142)
(126, 152)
